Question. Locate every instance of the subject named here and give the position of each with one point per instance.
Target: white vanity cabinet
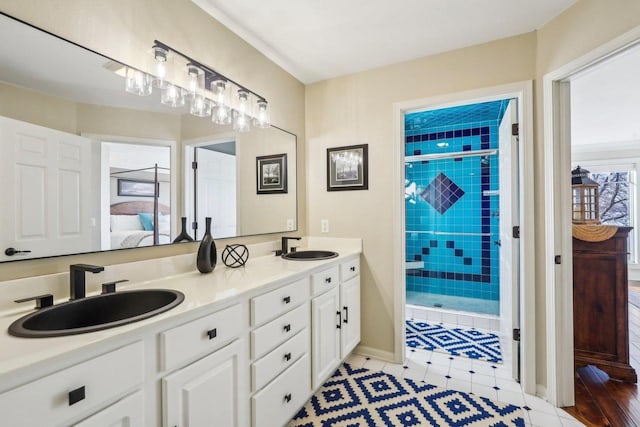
(80, 390)
(335, 317)
(213, 390)
(281, 366)
(127, 412)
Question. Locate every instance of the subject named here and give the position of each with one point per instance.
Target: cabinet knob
(327, 280)
(352, 268)
(287, 327)
(286, 300)
(287, 397)
(212, 333)
(76, 395)
(287, 357)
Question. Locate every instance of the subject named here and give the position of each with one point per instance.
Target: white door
(47, 175)
(350, 305)
(216, 186)
(509, 246)
(325, 325)
(213, 391)
(127, 412)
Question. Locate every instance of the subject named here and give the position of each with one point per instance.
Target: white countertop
(220, 287)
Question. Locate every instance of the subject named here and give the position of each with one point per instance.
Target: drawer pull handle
(339, 313)
(327, 280)
(287, 398)
(286, 300)
(76, 395)
(287, 327)
(352, 268)
(212, 333)
(346, 314)
(287, 357)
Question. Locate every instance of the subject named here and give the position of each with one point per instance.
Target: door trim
(557, 165)
(523, 91)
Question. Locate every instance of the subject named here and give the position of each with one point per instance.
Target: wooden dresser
(600, 298)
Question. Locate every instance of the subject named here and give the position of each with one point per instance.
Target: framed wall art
(347, 168)
(136, 188)
(271, 174)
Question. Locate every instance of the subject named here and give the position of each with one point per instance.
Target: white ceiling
(320, 39)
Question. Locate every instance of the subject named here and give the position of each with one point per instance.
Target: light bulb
(160, 56)
(193, 80)
(261, 119)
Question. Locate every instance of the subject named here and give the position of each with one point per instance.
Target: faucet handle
(42, 301)
(110, 287)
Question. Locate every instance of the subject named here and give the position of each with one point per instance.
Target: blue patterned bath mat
(469, 343)
(364, 398)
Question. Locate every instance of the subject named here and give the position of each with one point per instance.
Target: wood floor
(601, 401)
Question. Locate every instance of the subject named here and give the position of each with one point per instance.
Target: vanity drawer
(278, 402)
(87, 386)
(274, 303)
(267, 368)
(324, 280)
(271, 335)
(349, 269)
(200, 336)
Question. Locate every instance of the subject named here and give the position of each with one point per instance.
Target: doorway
(405, 252)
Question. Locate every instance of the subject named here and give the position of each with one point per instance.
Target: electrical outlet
(324, 225)
(289, 225)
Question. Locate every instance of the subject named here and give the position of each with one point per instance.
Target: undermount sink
(310, 255)
(96, 313)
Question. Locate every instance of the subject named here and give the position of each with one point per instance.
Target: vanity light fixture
(208, 91)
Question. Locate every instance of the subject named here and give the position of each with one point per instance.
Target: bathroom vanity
(247, 347)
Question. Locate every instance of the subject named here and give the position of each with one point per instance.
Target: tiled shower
(452, 207)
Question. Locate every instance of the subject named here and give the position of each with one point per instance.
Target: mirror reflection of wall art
(347, 168)
(272, 173)
(129, 187)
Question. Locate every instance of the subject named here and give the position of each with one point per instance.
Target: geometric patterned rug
(364, 398)
(469, 343)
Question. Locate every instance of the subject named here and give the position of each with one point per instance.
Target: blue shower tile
(417, 152)
(425, 251)
(450, 244)
(433, 243)
(484, 130)
(467, 261)
(458, 252)
(417, 257)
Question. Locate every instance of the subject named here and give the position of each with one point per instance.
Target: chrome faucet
(284, 245)
(77, 284)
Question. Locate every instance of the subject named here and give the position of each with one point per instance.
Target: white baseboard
(387, 356)
(541, 391)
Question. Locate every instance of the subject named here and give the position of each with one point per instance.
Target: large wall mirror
(86, 166)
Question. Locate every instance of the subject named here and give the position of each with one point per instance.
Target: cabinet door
(350, 306)
(213, 391)
(127, 412)
(326, 335)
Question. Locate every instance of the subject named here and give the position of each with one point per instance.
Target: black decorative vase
(207, 252)
(183, 236)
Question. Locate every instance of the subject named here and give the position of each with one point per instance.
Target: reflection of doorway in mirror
(136, 195)
(216, 188)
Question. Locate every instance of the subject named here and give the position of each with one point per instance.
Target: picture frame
(271, 174)
(136, 188)
(348, 168)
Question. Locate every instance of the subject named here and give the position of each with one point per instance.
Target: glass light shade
(172, 96)
(160, 55)
(138, 82)
(261, 117)
(241, 120)
(195, 78)
(220, 113)
(200, 106)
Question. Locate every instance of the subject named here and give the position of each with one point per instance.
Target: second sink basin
(310, 255)
(96, 313)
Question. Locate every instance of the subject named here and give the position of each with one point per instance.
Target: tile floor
(475, 376)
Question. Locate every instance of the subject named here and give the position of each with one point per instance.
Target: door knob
(14, 251)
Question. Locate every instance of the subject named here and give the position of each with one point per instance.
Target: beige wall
(125, 31)
(357, 109)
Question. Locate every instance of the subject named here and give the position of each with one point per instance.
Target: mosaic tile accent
(363, 398)
(442, 193)
(469, 343)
